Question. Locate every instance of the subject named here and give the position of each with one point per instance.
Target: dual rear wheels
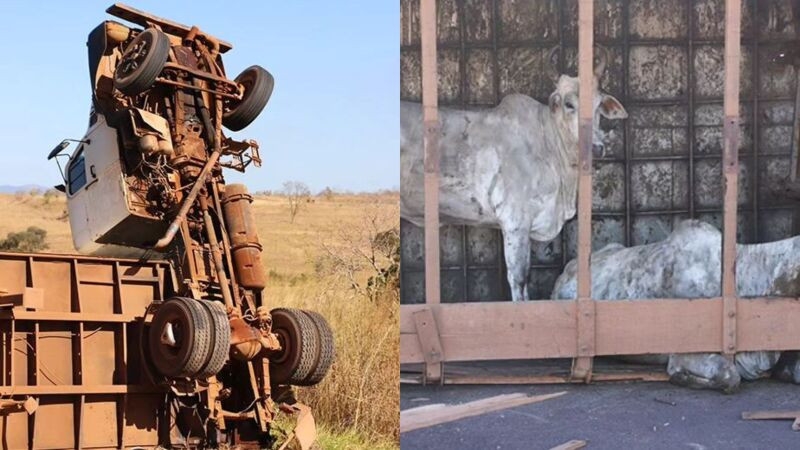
(307, 347)
(189, 338)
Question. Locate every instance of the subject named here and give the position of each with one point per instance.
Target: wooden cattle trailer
(70, 337)
(434, 333)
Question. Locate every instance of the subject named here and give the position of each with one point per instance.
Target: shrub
(30, 240)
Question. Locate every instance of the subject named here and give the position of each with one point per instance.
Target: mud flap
(305, 431)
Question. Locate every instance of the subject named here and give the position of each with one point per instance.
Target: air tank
(245, 247)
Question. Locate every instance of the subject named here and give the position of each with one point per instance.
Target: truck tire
(258, 84)
(220, 338)
(300, 341)
(141, 62)
(327, 350)
(180, 338)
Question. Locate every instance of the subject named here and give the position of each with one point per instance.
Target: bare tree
(365, 254)
(297, 193)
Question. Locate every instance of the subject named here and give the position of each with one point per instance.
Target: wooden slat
(582, 366)
(574, 444)
(795, 132)
(770, 415)
(547, 329)
(429, 342)
(624, 325)
(430, 415)
(476, 331)
(430, 117)
(730, 164)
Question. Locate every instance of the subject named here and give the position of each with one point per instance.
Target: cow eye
(569, 105)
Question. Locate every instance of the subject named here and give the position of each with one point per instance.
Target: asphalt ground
(641, 415)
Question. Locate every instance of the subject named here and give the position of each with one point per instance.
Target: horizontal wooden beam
(597, 376)
(546, 329)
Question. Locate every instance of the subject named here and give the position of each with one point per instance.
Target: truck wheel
(142, 62)
(220, 340)
(300, 342)
(327, 350)
(180, 338)
(258, 84)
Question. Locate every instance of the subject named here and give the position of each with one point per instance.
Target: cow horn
(601, 65)
(552, 72)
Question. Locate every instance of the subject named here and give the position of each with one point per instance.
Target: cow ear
(611, 108)
(554, 102)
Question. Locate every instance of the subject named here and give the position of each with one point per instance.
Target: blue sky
(333, 119)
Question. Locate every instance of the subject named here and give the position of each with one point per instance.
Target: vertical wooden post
(582, 365)
(430, 117)
(730, 165)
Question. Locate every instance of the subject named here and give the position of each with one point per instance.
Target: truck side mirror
(58, 149)
(60, 188)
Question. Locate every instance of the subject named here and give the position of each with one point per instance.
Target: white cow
(512, 167)
(687, 265)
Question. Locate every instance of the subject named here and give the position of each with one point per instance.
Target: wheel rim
(135, 54)
(246, 80)
(170, 339)
(286, 346)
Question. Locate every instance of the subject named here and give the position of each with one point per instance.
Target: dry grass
(22, 211)
(357, 405)
(361, 393)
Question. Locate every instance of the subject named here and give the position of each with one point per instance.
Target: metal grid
(663, 163)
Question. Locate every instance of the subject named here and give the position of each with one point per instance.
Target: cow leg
(517, 246)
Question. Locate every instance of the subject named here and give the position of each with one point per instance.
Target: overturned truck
(160, 335)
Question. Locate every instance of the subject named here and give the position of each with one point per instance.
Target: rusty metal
(170, 141)
(243, 235)
(190, 86)
(174, 226)
(96, 302)
(144, 19)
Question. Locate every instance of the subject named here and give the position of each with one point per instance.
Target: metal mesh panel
(662, 164)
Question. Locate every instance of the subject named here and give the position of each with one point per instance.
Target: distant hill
(9, 189)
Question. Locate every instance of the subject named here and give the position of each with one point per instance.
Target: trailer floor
(611, 416)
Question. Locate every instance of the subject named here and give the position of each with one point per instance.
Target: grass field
(321, 261)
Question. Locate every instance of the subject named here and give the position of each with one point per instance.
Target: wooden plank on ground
(770, 415)
(430, 415)
(574, 444)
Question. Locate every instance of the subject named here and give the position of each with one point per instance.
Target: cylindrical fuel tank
(243, 235)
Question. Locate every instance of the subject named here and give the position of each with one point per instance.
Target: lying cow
(512, 167)
(687, 265)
